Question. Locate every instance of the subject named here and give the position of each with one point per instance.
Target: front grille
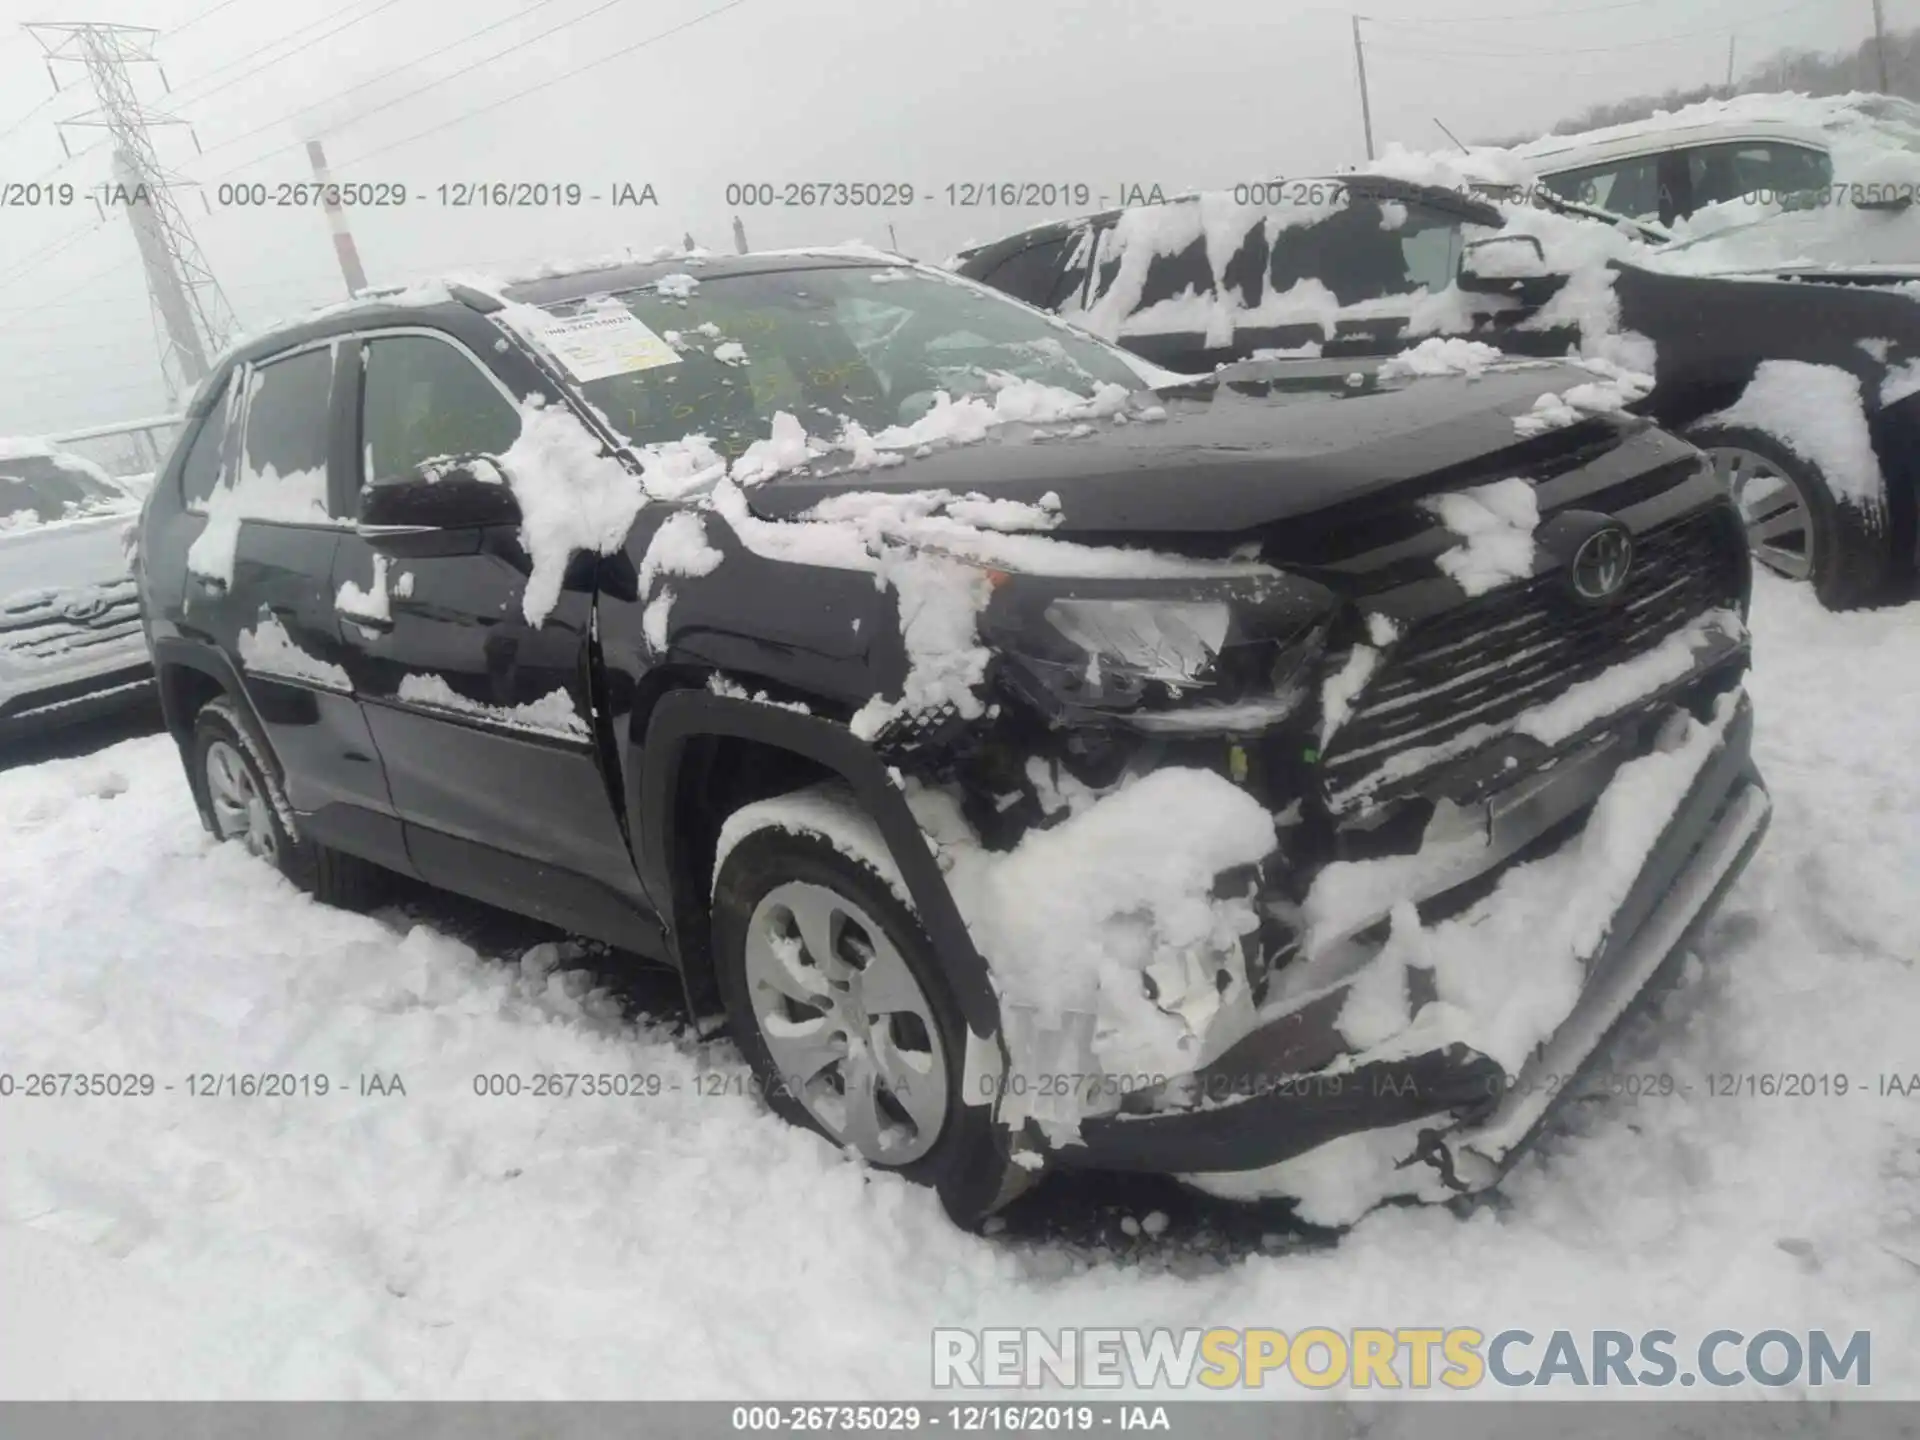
(1471, 670)
(37, 629)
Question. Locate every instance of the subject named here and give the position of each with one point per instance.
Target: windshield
(870, 344)
(39, 488)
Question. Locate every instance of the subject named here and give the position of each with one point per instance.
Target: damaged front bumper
(1432, 1110)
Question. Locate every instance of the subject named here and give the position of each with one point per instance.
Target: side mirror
(1513, 265)
(440, 508)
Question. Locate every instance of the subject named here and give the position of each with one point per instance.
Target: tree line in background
(1795, 70)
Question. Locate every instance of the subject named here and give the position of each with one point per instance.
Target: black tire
(968, 1162)
(331, 877)
(1851, 551)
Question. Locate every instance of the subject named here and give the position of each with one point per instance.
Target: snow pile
(550, 714)
(572, 497)
(940, 601)
(1338, 693)
(787, 447)
(300, 497)
(1817, 412)
(1900, 382)
(1078, 921)
(1615, 390)
(373, 603)
(267, 649)
(1443, 356)
(1497, 522)
(678, 547)
(1482, 166)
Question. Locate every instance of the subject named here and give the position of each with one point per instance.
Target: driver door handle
(368, 622)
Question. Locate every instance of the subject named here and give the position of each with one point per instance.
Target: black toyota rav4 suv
(1033, 758)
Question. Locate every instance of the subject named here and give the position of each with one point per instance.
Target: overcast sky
(1102, 92)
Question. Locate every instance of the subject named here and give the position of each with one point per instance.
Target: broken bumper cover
(1295, 1084)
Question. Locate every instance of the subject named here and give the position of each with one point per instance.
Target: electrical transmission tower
(191, 315)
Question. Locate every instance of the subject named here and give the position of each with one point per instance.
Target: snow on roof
(1854, 127)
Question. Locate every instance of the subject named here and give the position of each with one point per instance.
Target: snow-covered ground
(438, 1243)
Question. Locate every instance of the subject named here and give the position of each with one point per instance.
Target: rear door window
(283, 458)
(1368, 250)
(200, 472)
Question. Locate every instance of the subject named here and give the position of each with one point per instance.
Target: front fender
(652, 784)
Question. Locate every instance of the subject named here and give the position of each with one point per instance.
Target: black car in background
(1373, 264)
(438, 585)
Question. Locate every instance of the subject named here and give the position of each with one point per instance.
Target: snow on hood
(34, 447)
(1764, 235)
(1496, 522)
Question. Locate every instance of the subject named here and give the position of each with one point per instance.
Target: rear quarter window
(200, 471)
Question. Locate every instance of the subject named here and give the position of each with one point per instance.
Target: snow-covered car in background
(1667, 168)
(1675, 164)
(130, 451)
(1807, 395)
(1033, 767)
(70, 638)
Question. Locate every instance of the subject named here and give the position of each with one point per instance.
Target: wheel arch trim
(652, 787)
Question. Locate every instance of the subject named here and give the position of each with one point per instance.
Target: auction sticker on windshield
(604, 343)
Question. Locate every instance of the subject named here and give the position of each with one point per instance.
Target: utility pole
(739, 235)
(189, 309)
(1360, 60)
(1731, 37)
(1880, 47)
(343, 247)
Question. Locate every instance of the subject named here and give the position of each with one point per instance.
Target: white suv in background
(71, 644)
(1663, 171)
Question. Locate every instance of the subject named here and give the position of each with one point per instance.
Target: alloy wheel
(1778, 519)
(240, 810)
(850, 1031)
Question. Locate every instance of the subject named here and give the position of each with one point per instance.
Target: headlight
(1191, 658)
(1134, 641)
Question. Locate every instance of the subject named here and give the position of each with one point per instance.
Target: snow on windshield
(826, 346)
(40, 485)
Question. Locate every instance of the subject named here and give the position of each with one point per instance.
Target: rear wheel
(240, 793)
(835, 995)
(1794, 525)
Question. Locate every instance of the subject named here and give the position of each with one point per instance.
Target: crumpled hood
(1250, 446)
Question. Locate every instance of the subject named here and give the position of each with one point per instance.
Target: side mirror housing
(1513, 265)
(441, 508)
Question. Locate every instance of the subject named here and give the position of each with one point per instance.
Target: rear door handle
(369, 622)
(212, 584)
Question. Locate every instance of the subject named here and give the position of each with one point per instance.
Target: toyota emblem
(86, 609)
(1600, 565)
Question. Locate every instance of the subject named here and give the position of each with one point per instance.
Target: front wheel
(835, 995)
(1795, 526)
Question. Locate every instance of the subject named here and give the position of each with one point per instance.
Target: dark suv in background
(1295, 273)
(441, 585)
